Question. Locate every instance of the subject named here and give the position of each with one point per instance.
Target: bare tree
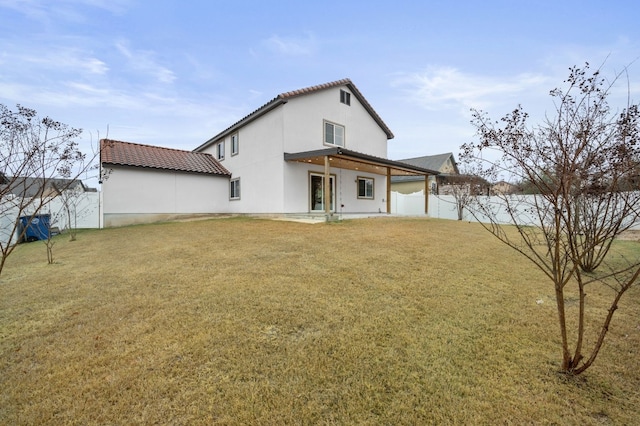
(582, 164)
(34, 153)
(464, 188)
(73, 206)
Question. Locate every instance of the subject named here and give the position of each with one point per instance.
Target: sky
(175, 73)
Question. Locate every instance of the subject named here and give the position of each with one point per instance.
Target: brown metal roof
(347, 159)
(284, 97)
(155, 157)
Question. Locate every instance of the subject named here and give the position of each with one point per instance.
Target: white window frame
(234, 189)
(316, 198)
(332, 134)
(220, 150)
(365, 195)
(235, 144)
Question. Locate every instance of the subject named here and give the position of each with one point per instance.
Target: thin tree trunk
(566, 356)
(577, 356)
(607, 322)
(603, 333)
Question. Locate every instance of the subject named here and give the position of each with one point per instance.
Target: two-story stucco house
(318, 150)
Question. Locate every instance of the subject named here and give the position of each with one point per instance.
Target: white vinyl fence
(444, 207)
(440, 206)
(8, 217)
(407, 204)
(84, 210)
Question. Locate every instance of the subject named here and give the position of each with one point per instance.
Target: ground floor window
(234, 189)
(365, 188)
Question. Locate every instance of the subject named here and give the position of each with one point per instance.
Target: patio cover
(345, 159)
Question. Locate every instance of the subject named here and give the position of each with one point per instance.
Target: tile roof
(282, 98)
(154, 157)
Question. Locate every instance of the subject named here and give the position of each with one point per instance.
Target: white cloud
(31, 8)
(144, 61)
(291, 46)
(52, 58)
(113, 6)
(439, 88)
(70, 59)
(65, 10)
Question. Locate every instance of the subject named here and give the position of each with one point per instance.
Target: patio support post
(388, 190)
(426, 194)
(327, 188)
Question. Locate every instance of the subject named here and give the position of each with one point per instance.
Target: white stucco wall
(268, 184)
(136, 195)
(303, 124)
(346, 197)
(259, 165)
(304, 116)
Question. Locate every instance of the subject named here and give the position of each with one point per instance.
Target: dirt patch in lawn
(630, 235)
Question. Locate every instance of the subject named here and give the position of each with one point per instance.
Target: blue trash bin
(36, 227)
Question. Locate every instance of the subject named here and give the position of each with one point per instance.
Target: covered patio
(341, 158)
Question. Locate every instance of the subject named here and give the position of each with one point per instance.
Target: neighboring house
(318, 150)
(30, 187)
(463, 185)
(443, 163)
(504, 188)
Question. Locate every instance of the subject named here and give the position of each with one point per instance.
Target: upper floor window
(345, 97)
(234, 144)
(220, 150)
(333, 134)
(365, 187)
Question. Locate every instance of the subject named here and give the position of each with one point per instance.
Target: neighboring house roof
(284, 98)
(36, 187)
(504, 187)
(155, 157)
(432, 162)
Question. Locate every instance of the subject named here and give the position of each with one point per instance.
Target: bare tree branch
(582, 166)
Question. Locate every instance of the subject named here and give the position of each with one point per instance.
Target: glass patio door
(316, 190)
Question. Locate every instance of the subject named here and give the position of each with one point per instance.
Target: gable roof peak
(284, 97)
(434, 162)
(316, 88)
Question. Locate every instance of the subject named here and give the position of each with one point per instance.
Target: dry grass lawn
(246, 321)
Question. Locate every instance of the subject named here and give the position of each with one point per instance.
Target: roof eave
(370, 110)
(337, 151)
(226, 173)
(283, 98)
(274, 103)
